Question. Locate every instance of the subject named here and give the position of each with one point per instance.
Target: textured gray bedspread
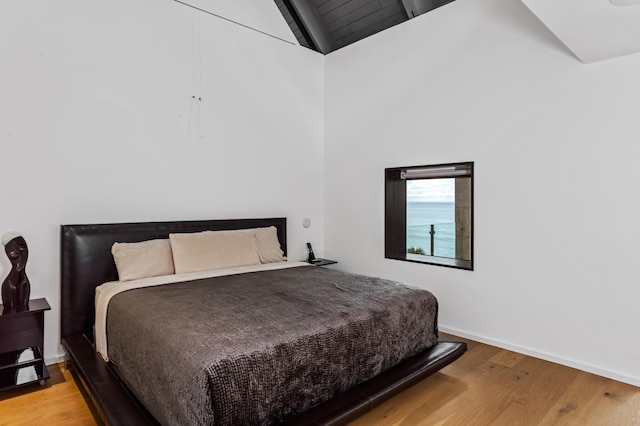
(258, 348)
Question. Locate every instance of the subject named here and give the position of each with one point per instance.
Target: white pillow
(202, 251)
(269, 248)
(141, 260)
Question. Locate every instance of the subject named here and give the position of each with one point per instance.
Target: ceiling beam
(314, 25)
(303, 30)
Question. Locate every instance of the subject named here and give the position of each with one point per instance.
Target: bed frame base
(117, 406)
(112, 401)
(363, 398)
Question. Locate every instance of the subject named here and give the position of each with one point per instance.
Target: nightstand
(323, 262)
(21, 346)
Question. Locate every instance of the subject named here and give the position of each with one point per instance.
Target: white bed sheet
(106, 291)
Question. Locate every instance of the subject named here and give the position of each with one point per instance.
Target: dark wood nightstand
(323, 262)
(21, 346)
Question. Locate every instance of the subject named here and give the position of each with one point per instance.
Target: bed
(323, 389)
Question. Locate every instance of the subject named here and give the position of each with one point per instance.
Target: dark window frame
(395, 245)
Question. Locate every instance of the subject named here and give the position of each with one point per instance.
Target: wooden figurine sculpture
(16, 287)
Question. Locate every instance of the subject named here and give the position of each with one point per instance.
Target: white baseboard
(635, 381)
(54, 360)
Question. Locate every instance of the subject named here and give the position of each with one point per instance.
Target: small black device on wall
(312, 256)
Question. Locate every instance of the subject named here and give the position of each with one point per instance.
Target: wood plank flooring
(493, 386)
(486, 386)
(59, 402)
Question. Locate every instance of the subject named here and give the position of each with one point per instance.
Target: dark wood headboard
(86, 260)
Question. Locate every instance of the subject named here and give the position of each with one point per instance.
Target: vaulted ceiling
(327, 25)
(593, 29)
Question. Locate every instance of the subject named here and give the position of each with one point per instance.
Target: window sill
(439, 261)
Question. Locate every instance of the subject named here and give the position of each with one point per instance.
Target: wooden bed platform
(86, 262)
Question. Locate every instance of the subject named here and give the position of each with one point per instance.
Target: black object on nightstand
(21, 346)
(322, 262)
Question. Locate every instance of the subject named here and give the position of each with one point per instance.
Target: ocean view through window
(429, 214)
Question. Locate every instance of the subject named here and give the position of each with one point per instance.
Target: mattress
(258, 348)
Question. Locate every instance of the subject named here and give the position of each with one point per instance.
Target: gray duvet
(258, 348)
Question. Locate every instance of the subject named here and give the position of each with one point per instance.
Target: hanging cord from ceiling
(193, 126)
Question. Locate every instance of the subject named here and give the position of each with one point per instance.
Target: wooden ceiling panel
(342, 22)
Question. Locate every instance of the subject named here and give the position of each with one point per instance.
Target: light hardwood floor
(486, 386)
(59, 402)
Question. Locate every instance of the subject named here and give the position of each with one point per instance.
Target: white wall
(98, 124)
(555, 145)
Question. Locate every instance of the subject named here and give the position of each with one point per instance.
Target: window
(429, 214)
